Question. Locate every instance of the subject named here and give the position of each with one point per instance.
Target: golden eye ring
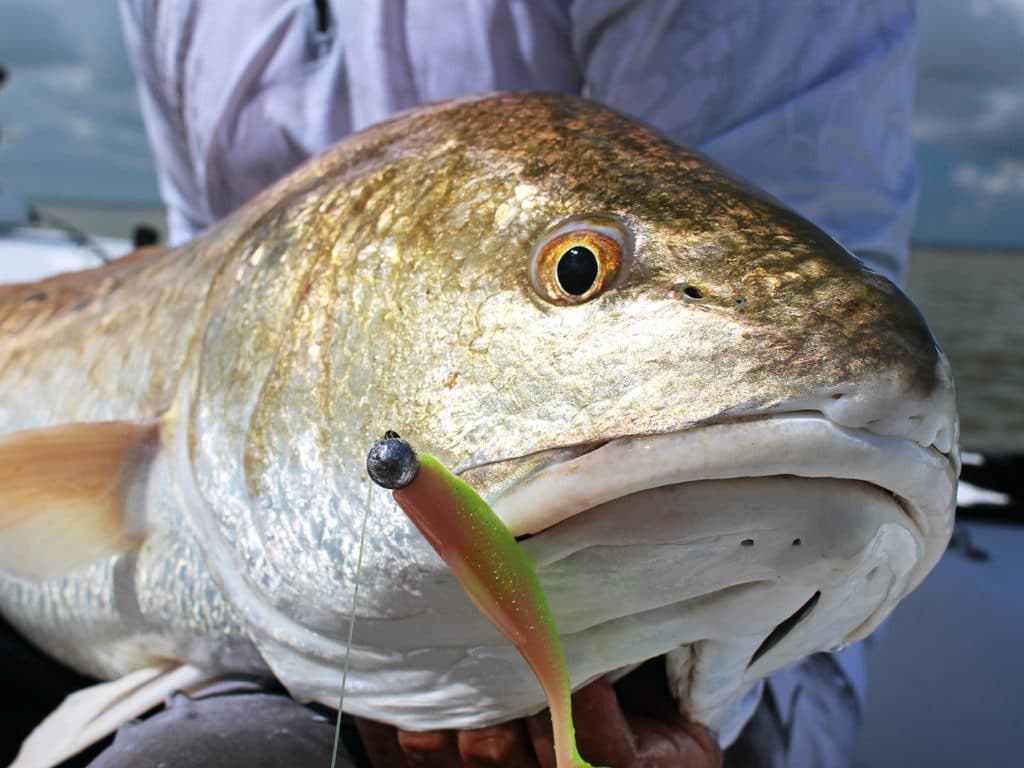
(578, 261)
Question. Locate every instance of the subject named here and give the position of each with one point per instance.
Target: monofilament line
(351, 623)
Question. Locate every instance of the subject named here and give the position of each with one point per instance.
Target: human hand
(634, 724)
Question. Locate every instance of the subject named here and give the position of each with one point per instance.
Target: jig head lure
(489, 564)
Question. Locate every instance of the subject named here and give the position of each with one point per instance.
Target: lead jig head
(392, 463)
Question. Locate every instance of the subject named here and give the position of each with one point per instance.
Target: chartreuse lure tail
(486, 559)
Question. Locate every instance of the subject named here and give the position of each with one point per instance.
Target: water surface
(974, 302)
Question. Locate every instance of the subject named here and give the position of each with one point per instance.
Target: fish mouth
(736, 548)
(922, 479)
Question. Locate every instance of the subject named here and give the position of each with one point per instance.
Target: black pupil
(577, 270)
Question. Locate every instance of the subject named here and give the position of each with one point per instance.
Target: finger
(660, 730)
(706, 743)
(674, 743)
(381, 744)
(656, 737)
(507, 745)
(603, 733)
(430, 748)
(539, 728)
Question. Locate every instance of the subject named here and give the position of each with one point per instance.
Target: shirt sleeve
(156, 37)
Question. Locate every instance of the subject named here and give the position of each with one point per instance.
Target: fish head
(718, 434)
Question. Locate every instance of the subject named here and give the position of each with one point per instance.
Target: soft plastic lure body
(486, 559)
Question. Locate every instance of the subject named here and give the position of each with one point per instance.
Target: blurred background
(77, 185)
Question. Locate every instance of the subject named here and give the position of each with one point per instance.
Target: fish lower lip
(802, 444)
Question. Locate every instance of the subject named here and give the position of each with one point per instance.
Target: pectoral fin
(88, 715)
(66, 494)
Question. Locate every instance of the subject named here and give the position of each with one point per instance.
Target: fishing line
(351, 622)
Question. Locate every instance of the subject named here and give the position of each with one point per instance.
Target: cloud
(82, 127)
(69, 80)
(970, 41)
(964, 202)
(969, 121)
(1007, 178)
(970, 80)
(984, 120)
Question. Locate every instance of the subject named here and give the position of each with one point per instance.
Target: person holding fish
(810, 101)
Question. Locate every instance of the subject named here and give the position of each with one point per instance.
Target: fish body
(717, 421)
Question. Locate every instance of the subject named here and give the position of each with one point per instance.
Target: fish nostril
(838, 396)
(687, 292)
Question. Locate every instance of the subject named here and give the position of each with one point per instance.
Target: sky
(69, 116)
(969, 121)
(70, 126)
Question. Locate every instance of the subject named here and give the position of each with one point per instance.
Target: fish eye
(577, 261)
(577, 270)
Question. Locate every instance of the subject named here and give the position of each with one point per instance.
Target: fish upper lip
(568, 453)
(799, 443)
